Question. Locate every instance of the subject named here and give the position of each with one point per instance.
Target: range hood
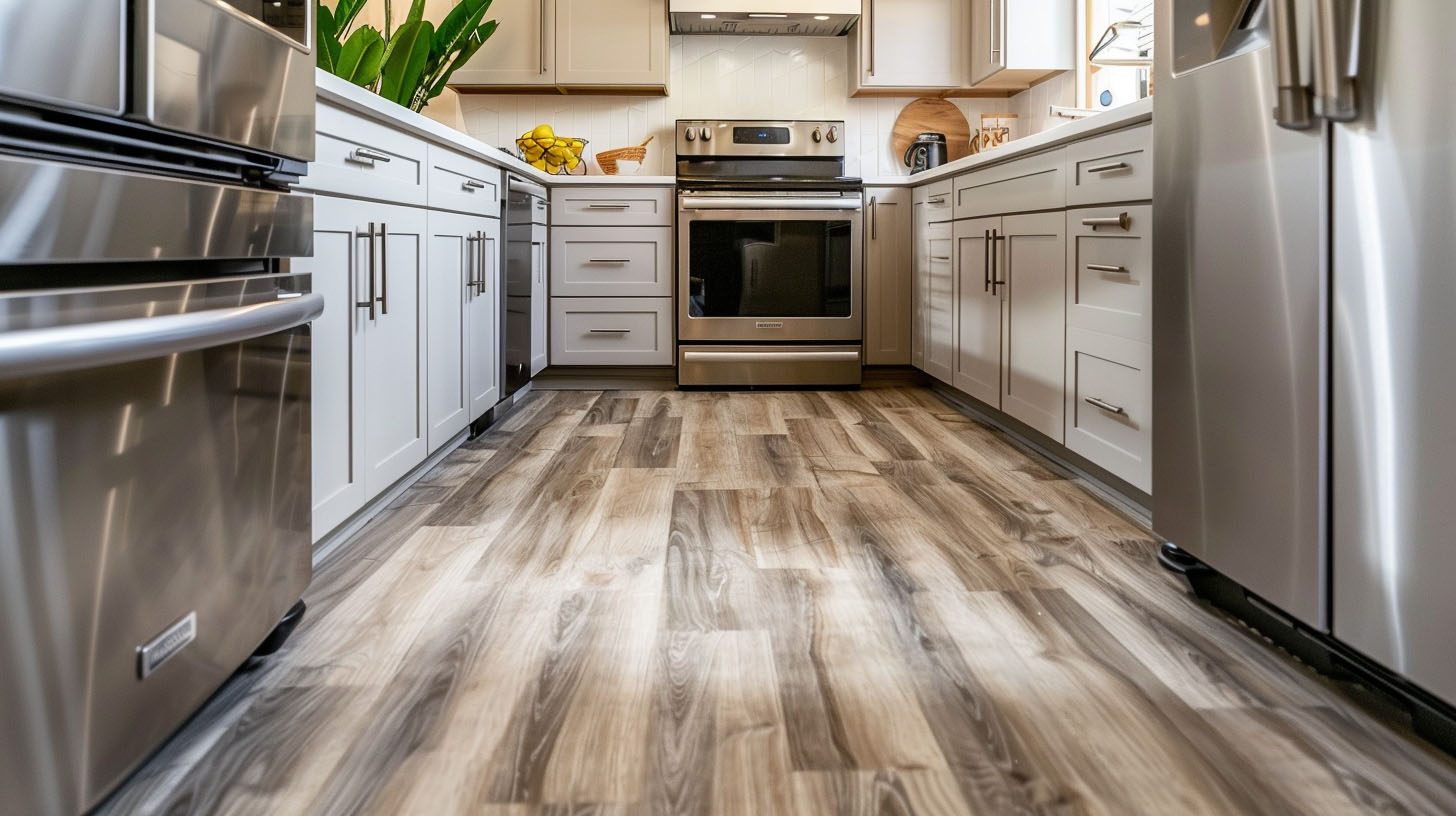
(796, 18)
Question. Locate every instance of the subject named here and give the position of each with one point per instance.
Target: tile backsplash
(727, 77)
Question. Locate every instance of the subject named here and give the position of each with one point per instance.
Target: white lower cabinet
(611, 331)
(1109, 403)
(368, 352)
(940, 342)
(888, 263)
(978, 312)
(462, 373)
(539, 303)
(1031, 253)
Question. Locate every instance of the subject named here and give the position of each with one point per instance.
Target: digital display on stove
(761, 135)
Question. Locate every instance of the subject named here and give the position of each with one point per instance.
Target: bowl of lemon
(544, 150)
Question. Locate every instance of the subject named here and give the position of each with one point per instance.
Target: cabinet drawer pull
(383, 268)
(938, 200)
(939, 257)
(1122, 270)
(607, 206)
(609, 260)
(1104, 405)
(1121, 221)
(1108, 168)
(369, 302)
(608, 331)
(363, 155)
(471, 185)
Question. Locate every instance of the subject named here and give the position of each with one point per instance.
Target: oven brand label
(769, 324)
(161, 649)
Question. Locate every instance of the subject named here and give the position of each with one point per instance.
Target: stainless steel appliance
(154, 372)
(769, 254)
(1303, 442)
(799, 18)
(524, 308)
(927, 151)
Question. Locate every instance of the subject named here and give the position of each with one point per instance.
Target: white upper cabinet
(611, 42)
(1017, 42)
(572, 43)
(909, 44)
(521, 52)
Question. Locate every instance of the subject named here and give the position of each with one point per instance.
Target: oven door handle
(767, 203)
(771, 356)
(35, 352)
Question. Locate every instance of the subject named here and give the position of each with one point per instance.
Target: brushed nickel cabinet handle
(383, 268)
(986, 277)
(607, 206)
(1106, 406)
(939, 257)
(872, 37)
(609, 331)
(874, 220)
(543, 36)
(609, 260)
(1106, 268)
(470, 261)
(369, 304)
(363, 155)
(1108, 168)
(484, 263)
(937, 200)
(471, 185)
(997, 263)
(1121, 221)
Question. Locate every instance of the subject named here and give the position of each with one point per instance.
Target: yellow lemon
(572, 162)
(526, 135)
(533, 151)
(576, 146)
(539, 164)
(553, 167)
(543, 132)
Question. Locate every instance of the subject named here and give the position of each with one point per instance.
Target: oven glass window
(287, 17)
(769, 269)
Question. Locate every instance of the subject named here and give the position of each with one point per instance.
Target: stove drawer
(611, 206)
(611, 331)
(611, 261)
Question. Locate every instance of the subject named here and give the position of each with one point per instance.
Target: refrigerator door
(1238, 316)
(1393, 379)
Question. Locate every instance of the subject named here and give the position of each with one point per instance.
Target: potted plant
(410, 64)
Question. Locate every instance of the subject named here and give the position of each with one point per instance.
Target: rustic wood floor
(843, 602)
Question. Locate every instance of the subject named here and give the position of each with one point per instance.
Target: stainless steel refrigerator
(1304, 435)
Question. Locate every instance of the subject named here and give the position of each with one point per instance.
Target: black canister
(927, 151)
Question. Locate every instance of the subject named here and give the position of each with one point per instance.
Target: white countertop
(1130, 114)
(348, 95)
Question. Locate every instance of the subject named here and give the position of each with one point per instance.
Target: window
(1116, 52)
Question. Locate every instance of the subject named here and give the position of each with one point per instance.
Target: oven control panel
(760, 138)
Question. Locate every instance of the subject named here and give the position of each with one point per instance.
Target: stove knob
(817, 136)
(833, 135)
(690, 134)
(707, 135)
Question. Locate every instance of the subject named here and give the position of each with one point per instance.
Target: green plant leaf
(344, 13)
(458, 25)
(409, 48)
(473, 44)
(415, 15)
(361, 56)
(328, 44)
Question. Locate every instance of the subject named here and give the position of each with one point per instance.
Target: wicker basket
(608, 159)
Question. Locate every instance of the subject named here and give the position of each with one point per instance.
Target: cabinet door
(940, 347)
(452, 261)
(988, 31)
(920, 238)
(1031, 255)
(887, 270)
(340, 255)
(392, 401)
(978, 312)
(523, 50)
(911, 44)
(539, 304)
(482, 321)
(611, 42)
(1015, 44)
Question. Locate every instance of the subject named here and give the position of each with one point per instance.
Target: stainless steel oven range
(769, 255)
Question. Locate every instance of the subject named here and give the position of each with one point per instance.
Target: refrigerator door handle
(1337, 59)
(1292, 110)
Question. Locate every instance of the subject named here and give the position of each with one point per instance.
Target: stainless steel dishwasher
(523, 309)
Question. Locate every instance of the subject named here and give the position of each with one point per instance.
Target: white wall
(726, 77)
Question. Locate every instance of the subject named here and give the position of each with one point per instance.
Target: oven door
(234, 71)
(769, 267)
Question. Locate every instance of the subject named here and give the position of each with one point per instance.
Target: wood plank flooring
(851, 602)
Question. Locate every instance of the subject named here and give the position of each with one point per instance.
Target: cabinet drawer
(611, 261)
(1109, 404)
(611, 331)
(358, 157)
(458, 182)
(1023, 185)
(937, 200)
(611, 206)
(1114, 167)
(1109, 270)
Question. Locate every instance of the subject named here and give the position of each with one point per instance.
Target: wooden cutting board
(927, 115)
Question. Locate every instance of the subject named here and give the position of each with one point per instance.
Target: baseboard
(606, 378)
